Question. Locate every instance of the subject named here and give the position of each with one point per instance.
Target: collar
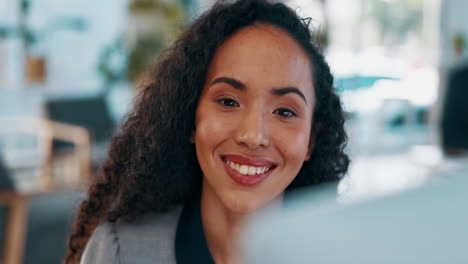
(190, 242)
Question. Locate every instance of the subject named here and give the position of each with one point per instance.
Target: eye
(284, 112)
(228, 102)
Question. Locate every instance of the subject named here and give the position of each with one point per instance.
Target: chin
(237, 201)
(242, 206)
(242, 209)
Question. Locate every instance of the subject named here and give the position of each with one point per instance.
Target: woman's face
(254, 117)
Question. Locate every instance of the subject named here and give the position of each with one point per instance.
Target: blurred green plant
(396, 17)
(113, 63)
(30, 36)
(459, 44)
(165, 20)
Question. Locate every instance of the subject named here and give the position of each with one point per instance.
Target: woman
(239, 110)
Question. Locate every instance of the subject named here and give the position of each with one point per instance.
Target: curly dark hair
(152, 165)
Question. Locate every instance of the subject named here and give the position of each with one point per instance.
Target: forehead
(263, 54)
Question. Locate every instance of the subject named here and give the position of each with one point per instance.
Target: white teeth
(245, 169)
(260, 170)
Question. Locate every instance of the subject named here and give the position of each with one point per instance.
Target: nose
(252, 131)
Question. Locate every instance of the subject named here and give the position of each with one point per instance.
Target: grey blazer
(150, 239)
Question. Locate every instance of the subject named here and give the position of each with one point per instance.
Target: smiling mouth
(246, 169)
(247, 166)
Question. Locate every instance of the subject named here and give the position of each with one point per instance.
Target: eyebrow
(286, 90)
(233, 82)
(275, 91)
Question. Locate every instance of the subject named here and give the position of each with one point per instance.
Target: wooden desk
(16, 201)
(15, 226)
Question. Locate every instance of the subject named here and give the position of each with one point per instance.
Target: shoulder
(149, 239)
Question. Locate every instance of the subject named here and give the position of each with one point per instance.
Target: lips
(247, 171)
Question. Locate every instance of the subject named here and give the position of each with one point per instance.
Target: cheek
(293, 144)
(210, 130)
(207, 133)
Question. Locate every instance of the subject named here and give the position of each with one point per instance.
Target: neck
(221, 228)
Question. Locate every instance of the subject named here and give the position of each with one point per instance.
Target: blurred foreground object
(30, 175)
(424, 225)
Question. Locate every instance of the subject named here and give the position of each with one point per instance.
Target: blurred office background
(69, 70)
